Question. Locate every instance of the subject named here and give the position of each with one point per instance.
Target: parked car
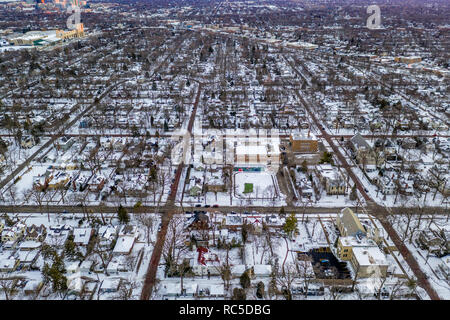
(215, 206)
(324, 262)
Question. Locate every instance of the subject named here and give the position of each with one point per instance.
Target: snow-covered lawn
(264, 184)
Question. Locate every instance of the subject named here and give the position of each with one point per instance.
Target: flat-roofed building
(369, 262)
(412, 59)
(303, 142)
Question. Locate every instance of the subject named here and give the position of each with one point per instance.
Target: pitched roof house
(349, 224)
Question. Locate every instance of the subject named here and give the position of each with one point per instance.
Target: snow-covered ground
(409, 228)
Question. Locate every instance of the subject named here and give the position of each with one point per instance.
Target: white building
(124, 245)
(369, 262)
(81, 236)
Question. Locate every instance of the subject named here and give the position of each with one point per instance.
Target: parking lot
(327, 266)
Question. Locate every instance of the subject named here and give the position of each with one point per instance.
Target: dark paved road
(373, 208)
(170, 210)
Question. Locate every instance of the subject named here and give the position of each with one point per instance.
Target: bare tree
(304, 272)
(130, 261)
(7, 285)
(147, 221)
(125, 290)
(396, 288)
(286, 277)
(381, 281)
(174, 246)
(103, 253)
(225, 269)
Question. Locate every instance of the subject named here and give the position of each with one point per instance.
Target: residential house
(35, 233)
(408, 143)
(128, 230)
(435, 242)
(40, 182)
(73, 268)
(109, 285)
(65, 142)
(96, 183)
(86, 266)
(233, 221)
(27, 142)
(8, 263)
(11, 235)
(305, 188)
(124, 245)
(32, 287)
(29, 245)
(112, 267)
(348, 223)
(82, 236)
(81, 181)
(89, 286)
(331, 179)
(210, 291)
(261, 270)
(107, 234)
(210, 269)
(214, 182)
(386, 185)
(57, 235)
(170, 289)
(238, 270)
(58, 180)
(195, 190)
(364, 154)
(27, 258)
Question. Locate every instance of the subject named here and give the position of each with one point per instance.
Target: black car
(207, 206)
(188, 212)
(198, 205)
